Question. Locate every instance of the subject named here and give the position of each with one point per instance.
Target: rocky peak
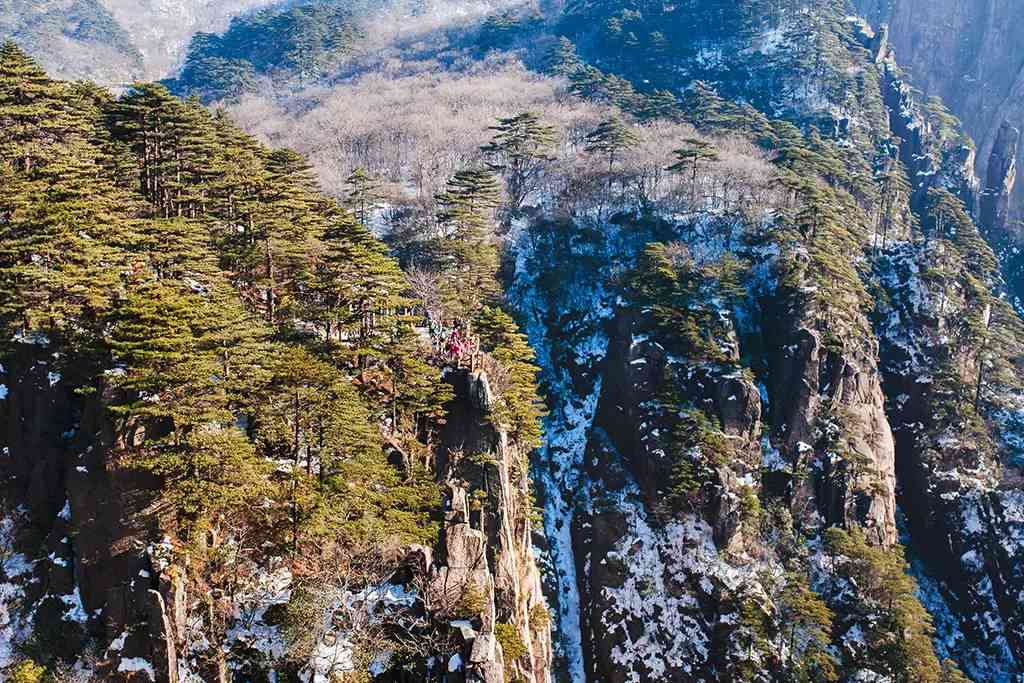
(1000, 180)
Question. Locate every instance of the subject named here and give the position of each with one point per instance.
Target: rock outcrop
(486, 554)
(90, 524)
(96, 565)
(813, 383)
(1000, 181)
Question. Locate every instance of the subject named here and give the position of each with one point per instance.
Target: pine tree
(751, 635)
(35, 113)
(999, 348)
(239, 342)
(466, 215)
(194, 144)
(587, 82)
(175, 396)
(520, 407)
(142, 119)
(238, 180)
(562, 60)
(284, 223)
(499, 30)
(895, 189)
(612, 138)
(621, 93)
(95, 105)
(364, 194)
(899, 638)
(808, 630)
(339, 483)
(357, 287)
(173, 248)
(951, 674)
(689, 158)
(706, 108)
(59, 260)
(945, 210)
(416, 401)
(661, 104)
(520, 149)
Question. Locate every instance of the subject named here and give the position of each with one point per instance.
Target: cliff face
(87, 568)
(487, 543)
(649, 587)
(81, 571)
(969, 54)
(655, 573)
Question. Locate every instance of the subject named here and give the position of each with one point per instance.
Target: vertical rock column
(490, 548)
(1000, 181)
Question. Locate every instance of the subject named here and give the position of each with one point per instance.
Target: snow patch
(137, 665)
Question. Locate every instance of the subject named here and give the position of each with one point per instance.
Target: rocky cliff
(808, 414)
(969, 54)
(90, 574)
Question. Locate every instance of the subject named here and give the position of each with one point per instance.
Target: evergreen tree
(358, 288)
(951, 674)
(520, 149)
(35, 113)
(338, 483)
(808, 630)
(520, 407)
(945, 211)
(175, 397)
(587, 83)
(899, 639)
(562, 60)
(285, 222)
(466, 216)
(661, 104)
(364, 194)
(59, 259)
(415, 403)
(612, 138)
(499, 30)
(689, 158)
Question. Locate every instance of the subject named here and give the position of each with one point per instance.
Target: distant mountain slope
(303, 42)
(162, 29)
(113, 41)
(76, 37)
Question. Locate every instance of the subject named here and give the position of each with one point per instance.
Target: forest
(248, 334)
(636, 341)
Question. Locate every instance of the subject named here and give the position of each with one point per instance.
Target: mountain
(512, 341)
(968, 54)
(163, 29)
(113, 41)
(195, 457)
(297, 44)
(73, 38)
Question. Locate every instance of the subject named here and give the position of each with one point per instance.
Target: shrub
(540, 618)
(512, 644)
(471, 603)
(27, 671)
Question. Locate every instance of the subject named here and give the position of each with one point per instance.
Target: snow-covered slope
(162, 29)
